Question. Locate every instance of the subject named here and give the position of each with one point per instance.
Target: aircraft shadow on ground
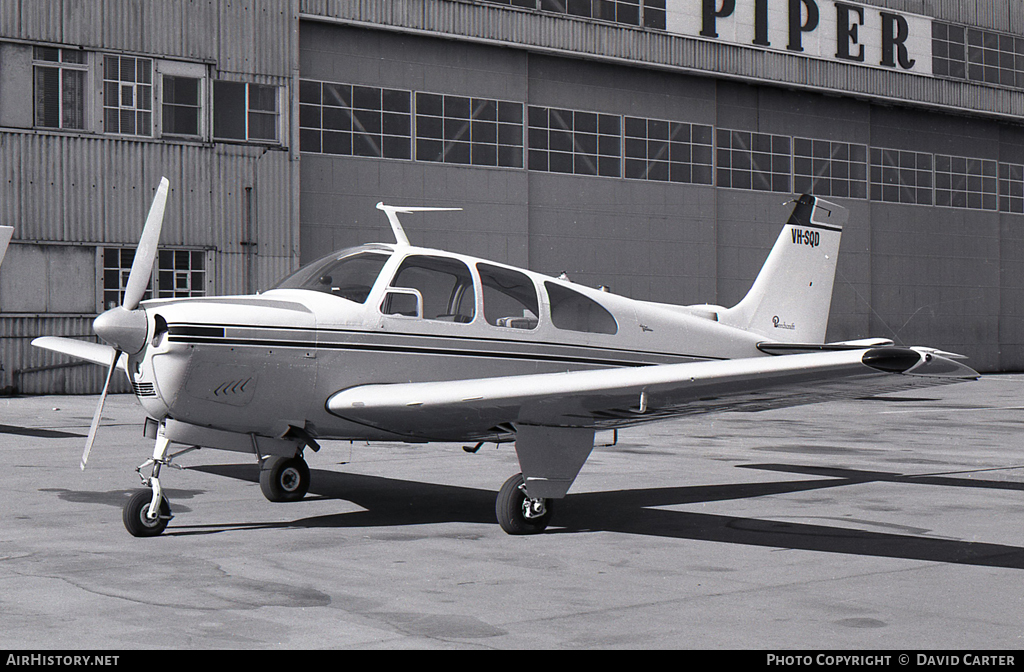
(391, 502)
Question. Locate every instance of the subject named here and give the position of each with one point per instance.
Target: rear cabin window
(445, 285)
(510, 299)
(572, 311)
(350, 277)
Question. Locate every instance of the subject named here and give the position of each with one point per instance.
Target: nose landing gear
(147, 512)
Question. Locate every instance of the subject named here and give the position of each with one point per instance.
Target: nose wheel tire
(136, 515)
(284, 479)
(517, 513)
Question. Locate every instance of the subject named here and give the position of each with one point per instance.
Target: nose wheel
(284, 479)
(517, 512)
(137, 518)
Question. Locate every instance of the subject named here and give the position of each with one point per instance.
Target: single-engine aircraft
(393, 342)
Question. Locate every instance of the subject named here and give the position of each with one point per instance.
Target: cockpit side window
(350, 277)
(510, 299)
(445, 285)
(573, 311)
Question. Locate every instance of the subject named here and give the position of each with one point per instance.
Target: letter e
(846, 33)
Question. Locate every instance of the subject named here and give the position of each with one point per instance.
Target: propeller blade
(5, 237)
(99, 410)
(145, 254)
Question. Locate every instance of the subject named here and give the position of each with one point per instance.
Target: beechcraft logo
(779, 324)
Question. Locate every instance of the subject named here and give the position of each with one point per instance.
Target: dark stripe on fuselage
(193, 330)
(177, 335)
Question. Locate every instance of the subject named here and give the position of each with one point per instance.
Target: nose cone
(125, 329)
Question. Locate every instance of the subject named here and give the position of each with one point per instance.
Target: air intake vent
(144, 389)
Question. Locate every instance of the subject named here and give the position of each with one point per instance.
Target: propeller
(126, 326)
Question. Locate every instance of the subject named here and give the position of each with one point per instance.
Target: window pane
(46, 54)
(262, 126)
(350, 277)
(127, 69)
(47, 97)
(229, 110)
(510, 299)
(72, 56)
(181, 106)
(262, 98)
(445, 285)
(572, 311)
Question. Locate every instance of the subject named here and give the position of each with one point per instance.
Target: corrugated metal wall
(250, 36)
(481, 21)
(92, 189)
(98, 190)
(1002, 15)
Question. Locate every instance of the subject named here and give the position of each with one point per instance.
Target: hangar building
(647, 145)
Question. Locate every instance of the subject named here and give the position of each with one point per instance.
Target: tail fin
(790, 299)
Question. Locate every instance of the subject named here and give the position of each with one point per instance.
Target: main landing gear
(284, 479)
(517, 512)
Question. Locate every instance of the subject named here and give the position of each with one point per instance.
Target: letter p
(711, 13)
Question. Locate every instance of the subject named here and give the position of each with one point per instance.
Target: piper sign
(828, 29)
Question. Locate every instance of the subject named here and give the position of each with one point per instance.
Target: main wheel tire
(518, 514)
(136, 515)
(284, 479)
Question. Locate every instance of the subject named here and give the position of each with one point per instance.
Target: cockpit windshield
(347, 274)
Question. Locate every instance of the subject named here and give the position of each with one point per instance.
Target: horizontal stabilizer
(97, 353)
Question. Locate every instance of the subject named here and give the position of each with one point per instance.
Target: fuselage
(394, 314)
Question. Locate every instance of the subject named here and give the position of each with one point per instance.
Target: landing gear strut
(517, 512)
(284, 479)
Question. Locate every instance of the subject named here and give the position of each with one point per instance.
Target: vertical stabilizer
(790, 299)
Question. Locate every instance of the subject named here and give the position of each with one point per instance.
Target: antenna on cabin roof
(392, 212)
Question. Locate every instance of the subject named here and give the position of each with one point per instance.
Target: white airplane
(393, 342)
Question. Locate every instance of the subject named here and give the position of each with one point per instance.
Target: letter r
(895, 32)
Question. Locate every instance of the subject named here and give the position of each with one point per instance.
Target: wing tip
(917, 362)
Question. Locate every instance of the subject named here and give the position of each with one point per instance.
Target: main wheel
(136, 515)
(284, 479)
(517, 513)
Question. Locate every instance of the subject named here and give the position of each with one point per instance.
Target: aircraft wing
(97, 353)
(611, 398)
